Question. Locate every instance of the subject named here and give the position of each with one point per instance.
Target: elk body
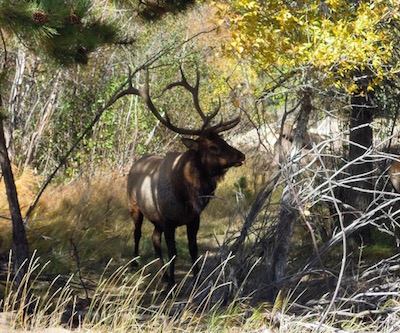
(283, 144)
(174, 190)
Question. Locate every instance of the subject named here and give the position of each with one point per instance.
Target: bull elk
(394, 175)
(172, 191)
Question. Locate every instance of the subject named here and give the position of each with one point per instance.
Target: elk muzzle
(236, 161)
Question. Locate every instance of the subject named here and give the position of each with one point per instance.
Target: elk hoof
(165, 277)
(196, 271)
(134, 264)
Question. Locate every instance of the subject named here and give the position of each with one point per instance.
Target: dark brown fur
(174, 190)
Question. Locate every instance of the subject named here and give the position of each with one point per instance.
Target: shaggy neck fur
(197, 184)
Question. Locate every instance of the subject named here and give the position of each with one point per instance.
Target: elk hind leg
(156, 238)
(137, 217)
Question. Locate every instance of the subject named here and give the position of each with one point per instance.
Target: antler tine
(143, 92)
(224, 126)
(194, 90)
(207, 119)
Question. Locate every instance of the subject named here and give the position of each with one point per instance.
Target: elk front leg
(192, 229)
(169, 232)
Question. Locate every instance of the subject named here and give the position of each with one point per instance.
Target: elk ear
(190, 143)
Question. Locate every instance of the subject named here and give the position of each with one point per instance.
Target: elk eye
(214, 149)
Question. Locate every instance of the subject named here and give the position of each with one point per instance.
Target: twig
(392, 129)
(5, 49)
(4, 63)
(262, 196)
(75, 256)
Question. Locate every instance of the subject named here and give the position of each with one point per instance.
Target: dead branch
(75, 256)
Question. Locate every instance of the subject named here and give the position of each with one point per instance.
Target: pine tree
(63, 31)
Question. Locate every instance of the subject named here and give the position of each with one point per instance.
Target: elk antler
(222, 126)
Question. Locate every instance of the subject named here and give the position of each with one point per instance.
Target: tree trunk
(20, 242)
(361, 116)
(289, 213)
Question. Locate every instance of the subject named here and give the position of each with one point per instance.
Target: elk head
(215, 154)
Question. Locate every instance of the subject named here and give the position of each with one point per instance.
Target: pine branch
(65, 31)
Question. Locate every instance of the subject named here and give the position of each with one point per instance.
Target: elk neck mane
(193, 182)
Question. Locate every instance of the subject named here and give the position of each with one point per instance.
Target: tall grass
(123, 302)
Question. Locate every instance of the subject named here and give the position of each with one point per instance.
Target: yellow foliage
(333, 37)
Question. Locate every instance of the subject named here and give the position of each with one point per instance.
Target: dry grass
(120, 303)
(27, 183)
